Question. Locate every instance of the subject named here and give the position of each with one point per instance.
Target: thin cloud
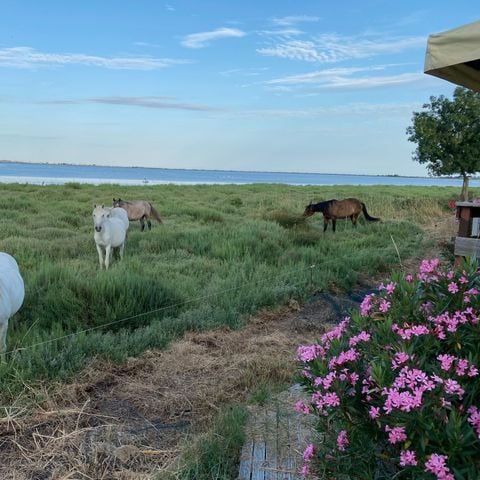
(244, 72)
(331, 48)
(357, 109)
(281, 32)
(204, 39)
(147, 44)
(320, 76)
(295, 50)
(161, 103)
(343, 78)
(294, 19)
(26, 57)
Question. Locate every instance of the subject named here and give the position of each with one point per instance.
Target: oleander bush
(396, 387)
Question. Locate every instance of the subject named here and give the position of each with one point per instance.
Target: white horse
(120, 213)
(111, 225)
(12, 293)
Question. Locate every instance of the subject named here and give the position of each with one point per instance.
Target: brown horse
(333, 209)
(139, 210)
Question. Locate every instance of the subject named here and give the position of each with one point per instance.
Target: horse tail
(155, 214)
(367, 216)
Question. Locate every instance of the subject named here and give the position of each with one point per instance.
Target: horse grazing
(12, 293)
(333, 209)
(111, 227)
(139, 210)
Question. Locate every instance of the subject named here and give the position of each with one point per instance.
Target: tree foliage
(447, 134)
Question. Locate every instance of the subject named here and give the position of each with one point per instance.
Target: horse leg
(354, 219)
(100, 255)
(3, 337)
(149, 223)
(334, 224)
(108, 252)
(325, 224)
(142, 224)
(121, 249)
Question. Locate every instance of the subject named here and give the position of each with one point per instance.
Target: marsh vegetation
(222, 253)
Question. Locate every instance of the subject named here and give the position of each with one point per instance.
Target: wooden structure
(467, 242)
(276, 439)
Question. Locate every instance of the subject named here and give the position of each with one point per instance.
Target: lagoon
(47, 174)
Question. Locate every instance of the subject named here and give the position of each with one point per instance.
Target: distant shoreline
(90, 165)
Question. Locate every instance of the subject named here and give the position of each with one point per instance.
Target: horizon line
(222, 170)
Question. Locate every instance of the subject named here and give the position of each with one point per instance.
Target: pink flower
(396, 434)
(446, 361)
(301, 407)
(436, 465)
(452, 287)
(307, 353)
(343, 357)
(353, 378)
(399, 359)
(474, 419)
(342, 440)
(391, 288)
(408, 332)
(472, 371)
(407, 457)
(374, 412)
(445, 403)
(409, 278)
(384, 306)
(331, 399)
(428, 270)
(461, 367)
(429, 266)
(305, 470)
(463, 279)
(363, 336)
(308, 452)
(453, 387)
(366, 305)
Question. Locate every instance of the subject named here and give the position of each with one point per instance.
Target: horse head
(309, 210)
(100, 214)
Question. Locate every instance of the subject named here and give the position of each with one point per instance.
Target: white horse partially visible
(111, 225)
(12, 293)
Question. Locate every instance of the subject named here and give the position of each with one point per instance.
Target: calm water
(58, 174)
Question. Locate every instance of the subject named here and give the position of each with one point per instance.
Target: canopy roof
(454, 55)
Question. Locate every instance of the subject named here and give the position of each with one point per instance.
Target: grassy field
(222, 253)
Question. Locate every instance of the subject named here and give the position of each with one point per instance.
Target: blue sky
(243, 85)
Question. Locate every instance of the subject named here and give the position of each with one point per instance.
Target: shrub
(396, 387)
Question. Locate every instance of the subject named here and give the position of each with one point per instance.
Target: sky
(272, 85)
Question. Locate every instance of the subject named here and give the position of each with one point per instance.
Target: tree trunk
(465, 188)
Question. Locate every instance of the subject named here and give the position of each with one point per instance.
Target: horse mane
(320, 206)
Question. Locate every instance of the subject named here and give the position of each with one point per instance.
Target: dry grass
(129, 421)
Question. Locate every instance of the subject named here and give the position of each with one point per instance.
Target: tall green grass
(222, 253)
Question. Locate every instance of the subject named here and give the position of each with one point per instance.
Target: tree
(447, 134)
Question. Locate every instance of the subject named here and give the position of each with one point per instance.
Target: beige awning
(454, 55)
